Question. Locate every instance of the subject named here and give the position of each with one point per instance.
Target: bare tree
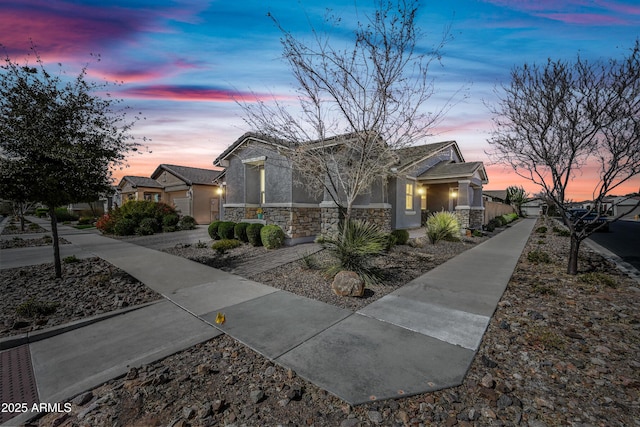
(356, 105)
(553, 120)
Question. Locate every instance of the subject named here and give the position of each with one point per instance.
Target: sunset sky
(183, 62)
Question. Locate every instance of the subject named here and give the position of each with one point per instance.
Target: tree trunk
(572, 267)
(56, 243)
(21, 213)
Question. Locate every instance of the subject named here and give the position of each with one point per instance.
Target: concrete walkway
(420, 338)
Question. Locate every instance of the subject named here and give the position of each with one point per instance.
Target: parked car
(588, 219)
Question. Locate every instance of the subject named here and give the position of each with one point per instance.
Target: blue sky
(183, 62)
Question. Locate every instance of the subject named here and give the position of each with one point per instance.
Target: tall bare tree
(357, 104)
(553, 120)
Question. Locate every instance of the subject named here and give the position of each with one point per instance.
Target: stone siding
(296, 222)
(379, 216)
(470, 218)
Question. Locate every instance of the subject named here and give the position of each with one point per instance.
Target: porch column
(463, 194)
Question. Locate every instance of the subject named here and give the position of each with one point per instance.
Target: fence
(494, 209)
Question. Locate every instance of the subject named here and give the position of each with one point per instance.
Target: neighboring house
(534, 207)
(429, 177)
(98, 207)
(192, 191)
(626, 207)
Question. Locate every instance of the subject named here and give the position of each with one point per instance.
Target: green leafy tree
(556, 118)
(516, 196)
(59, 139)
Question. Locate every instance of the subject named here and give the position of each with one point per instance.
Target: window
(409, 196)
(262, 185)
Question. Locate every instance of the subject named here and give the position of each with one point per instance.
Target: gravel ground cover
(560, 350)
(32, 298)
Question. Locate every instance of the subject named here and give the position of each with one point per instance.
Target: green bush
(442, 226)
(272, 236)
(85, 220)
(41, 212)
(147, 226)
(124, 227)
(213, 229)
(170, 220)
(71, 259)
(402, 236)
(253, 234)
(541, 230)
(509, 218)
(240, 231)
(598, 279)
(538, 257)
(63, 214)
(224, 245)
(33, 308)
(225, 230)
(492, 225)
(562, 232)
(354, 248)
(33, 226)
(187, 223)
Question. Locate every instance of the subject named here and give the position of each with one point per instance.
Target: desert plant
(70, 259)
(253, 234)
(541, 230)
(355, 245)
(598, 279)
(213, 229)
(402, 236)
(32, 308)
(201, 245)
(240, 231)
(33, 226)
(538, 257)
(225, 229)
(272, 236)
(442, 226)
(187, 222)
(224, 245)
(308, 261)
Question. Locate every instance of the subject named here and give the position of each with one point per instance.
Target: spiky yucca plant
(354, 247)
(442, 226)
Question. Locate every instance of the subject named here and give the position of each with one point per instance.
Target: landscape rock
(348, 283)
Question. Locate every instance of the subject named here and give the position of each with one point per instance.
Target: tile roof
(410, 155)
(451, 170)
(188, 174)
(141, 181)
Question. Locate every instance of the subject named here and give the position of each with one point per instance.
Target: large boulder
(348, 283)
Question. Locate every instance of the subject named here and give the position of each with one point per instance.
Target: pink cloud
(583, 18)
(62, 30)
(193, 93)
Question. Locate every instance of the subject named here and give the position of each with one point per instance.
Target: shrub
(213, 229)
(402, 236)
(598, 279)
(538, 257)
(124, 227)
(541, 230)
(85, 220)
(308, 261)
(33, 226)
(272, 236)
(187, 223)
(442, 226)
(492, 225)
(563, 232)
(240, 231)
(477, 233)
(139, 209)
(147, 226)
(222, 246)
(354, 247)
(170, 220)
(392, 240)
(509, 218)
(41, 212)
(253, 234)
(33, 308)
(63, 214)
(70, 259)
(225, 230)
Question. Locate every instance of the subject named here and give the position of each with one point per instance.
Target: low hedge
(222, 246)
(225, 230)
(272, 236)
(213, 229)
(187, 223)
(253, 234)
(240, 231)
(401, 236)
